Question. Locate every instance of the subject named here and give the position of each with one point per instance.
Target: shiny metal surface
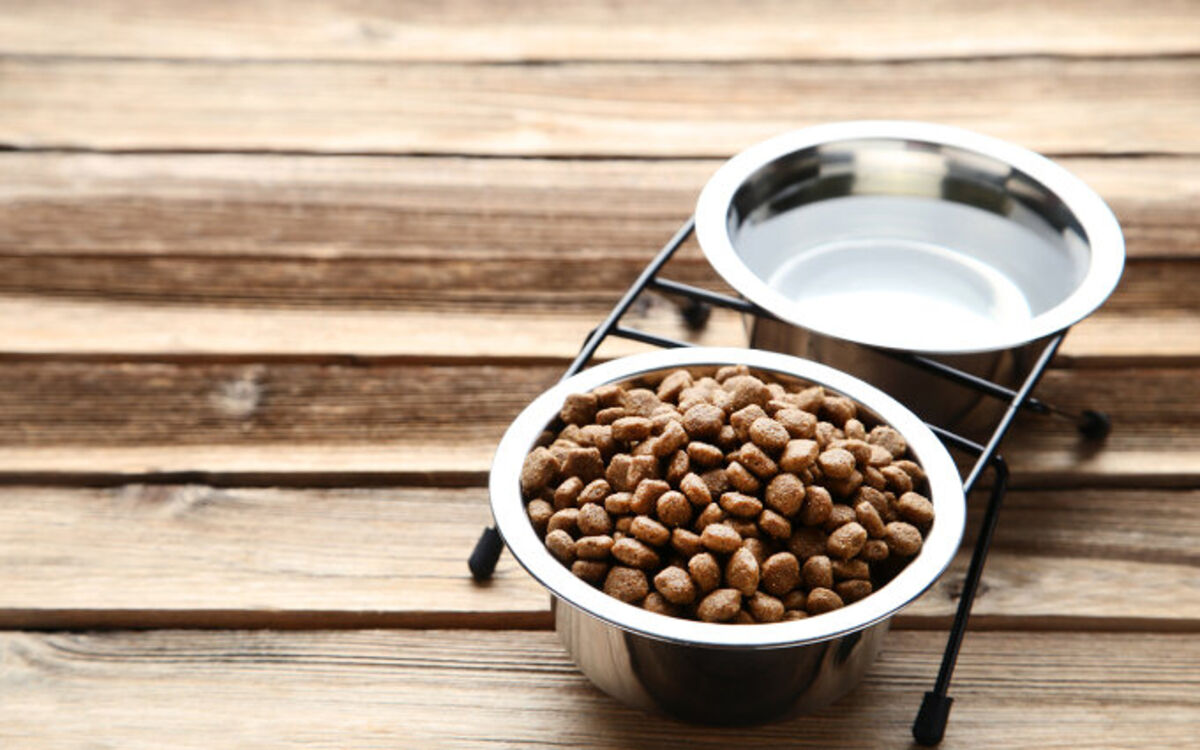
(654, 661)
(908, 236)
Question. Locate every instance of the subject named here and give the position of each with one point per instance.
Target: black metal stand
(930, 723)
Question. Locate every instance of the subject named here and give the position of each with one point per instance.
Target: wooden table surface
(274, 278)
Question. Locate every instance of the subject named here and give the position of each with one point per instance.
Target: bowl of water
(911, 237)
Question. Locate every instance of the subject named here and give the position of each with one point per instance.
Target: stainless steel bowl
(719, 673)
(909, 236)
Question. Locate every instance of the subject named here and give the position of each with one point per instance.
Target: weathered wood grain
(440, 208)
(455, 689)
(334, 422)
(1051, 105)
(543, 30)
(195, 556)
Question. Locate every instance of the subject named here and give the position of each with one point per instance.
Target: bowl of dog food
(909, 236)
(725, 533)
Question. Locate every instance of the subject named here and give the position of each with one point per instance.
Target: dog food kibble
(724, 496)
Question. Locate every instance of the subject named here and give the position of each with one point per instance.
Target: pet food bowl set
(928, 273)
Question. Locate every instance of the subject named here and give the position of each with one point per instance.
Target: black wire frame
(929, 725)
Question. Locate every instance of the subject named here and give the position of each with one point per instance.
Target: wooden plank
(198, 556)
(348, 422)
(1097, 106)
(517, 689)
(543, 30)
(418, 209)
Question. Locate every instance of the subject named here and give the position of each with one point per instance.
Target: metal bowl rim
(1106, 243)
(943, 540)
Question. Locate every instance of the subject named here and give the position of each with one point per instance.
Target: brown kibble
(827, 433)
(915, 508)
(822, 600)
(594, 547)
(720, 538)
(746, 390)
(646, 495)
(774, 525)
(754, 459)
(785, 495)
(854, 430)
(618, 503)
(847, 541)
(780, 573)
(727, 438)
(838, 409)
(741, 478)
(596, 491)
(870, 519)
(631, 429)
(765, 607)
(721, 605)
(540, 469)
(593, 519)
(742, 506)
(847, 569)
(728, 371)
(567, 492)
(579, 408)
(818, 506)
(845, 487)
(717, 481)
(742, 571)
(696, 491)
(641, 402)
(711, 514)
(686, 543)
(794, 614)
(836, 463)
(650, 531)
(705, 571)
(585, 463)
(564, 520)
(807, 541)
(673, 384)
(656, 603)
(609, 395)
(703, 421)
(561, 545)
(769, 434)
(817, 572)
(897, 478)
(746, 528)
(798, 423)
(672, 438)
(798, 455)
(874, 550)
(853, 590)
(743, 418)
(677, 466)
(674, 509)
(617, 473)
(872, 478)
(610, 415)
(903, 539)
(634, 554)
(860, 449)
(757, 547)
(675, 585)
(641, 468)
(627, 584)
(598, 436)
(888, 438)
(663, 418)
(592, 571)
(705, 455)
(539, 514)
(879, 457)
(840, 516)
(915, 472)
(810, 398)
